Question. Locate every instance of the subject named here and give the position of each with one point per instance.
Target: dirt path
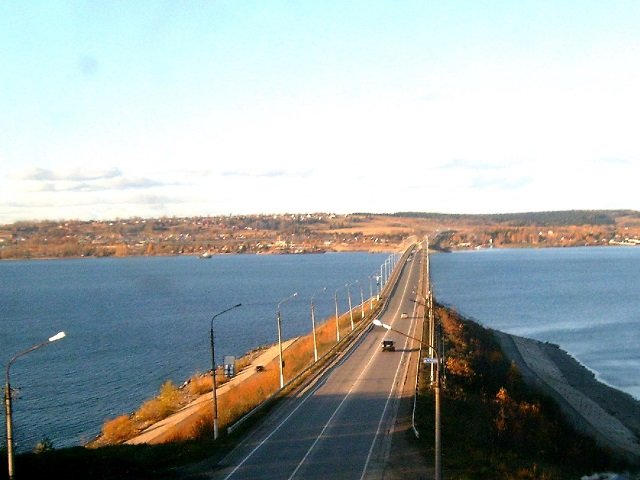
(158, 432)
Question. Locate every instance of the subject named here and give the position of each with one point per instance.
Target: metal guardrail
(338, 349)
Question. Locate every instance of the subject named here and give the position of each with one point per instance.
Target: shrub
(170, 396)
(167, 402)
(237, 401)
(118, 429)
(199, 384)
(151, 411)
(44, 445)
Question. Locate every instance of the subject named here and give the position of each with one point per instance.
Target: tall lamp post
(361, 301)
(213, 373)
(436, 391)
(279, 322)
(7, 400)
(335, 298)
(313, 325)
(371, 293)
(350, 307)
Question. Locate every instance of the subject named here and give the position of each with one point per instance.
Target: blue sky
(149, 108)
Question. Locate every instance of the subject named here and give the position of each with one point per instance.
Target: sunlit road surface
(339, 427)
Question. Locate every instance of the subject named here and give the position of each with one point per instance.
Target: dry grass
(246, 395)
(237, 400)
(167, 402)
(118, 430)
(199, 385)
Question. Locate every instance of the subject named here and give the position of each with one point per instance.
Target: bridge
(346, 423)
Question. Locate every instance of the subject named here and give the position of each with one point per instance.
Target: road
(340, 426)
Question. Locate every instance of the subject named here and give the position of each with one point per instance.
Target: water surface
(587, 300)
(133, 323)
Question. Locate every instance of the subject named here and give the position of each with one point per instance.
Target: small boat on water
(206, 255)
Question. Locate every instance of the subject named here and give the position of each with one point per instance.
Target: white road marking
(306, 455)
(314, 390)
(286, 419)
(391, 392)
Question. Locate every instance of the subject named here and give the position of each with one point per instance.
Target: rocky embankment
(610, 416)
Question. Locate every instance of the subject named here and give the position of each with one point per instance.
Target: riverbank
(610, 416)
(187, 417)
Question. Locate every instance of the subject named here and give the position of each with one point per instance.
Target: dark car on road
(388, 346)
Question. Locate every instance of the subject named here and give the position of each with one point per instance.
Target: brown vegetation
(254, 390)
(235, 402)
(118, 430)
(495, 426)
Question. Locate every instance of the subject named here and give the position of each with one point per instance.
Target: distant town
(313, 233)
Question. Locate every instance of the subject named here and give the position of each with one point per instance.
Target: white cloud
(484, 138)
(73, 175)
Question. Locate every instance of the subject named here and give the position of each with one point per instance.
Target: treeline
(543, 219)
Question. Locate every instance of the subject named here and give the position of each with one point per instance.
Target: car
(403, 315)
(388, 346)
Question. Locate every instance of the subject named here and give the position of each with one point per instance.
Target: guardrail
(335, 352)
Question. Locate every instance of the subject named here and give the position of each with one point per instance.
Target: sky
(119, 109)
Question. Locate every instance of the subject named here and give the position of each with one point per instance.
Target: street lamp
(335, 298)
(383, 273)
(279, 322)
(7, 400)
(313, 326)
(436, 391)
(361, 301)
(371, 293)
(387, 270)
(350, 307)
(213, 373)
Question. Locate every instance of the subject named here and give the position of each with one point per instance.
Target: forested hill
(542, 219)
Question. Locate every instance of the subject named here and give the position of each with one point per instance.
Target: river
(132, 323)
(587, 300)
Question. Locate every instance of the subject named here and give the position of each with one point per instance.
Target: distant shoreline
(346, 250)
(196, 256)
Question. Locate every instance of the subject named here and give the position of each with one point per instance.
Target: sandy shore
(609, 415)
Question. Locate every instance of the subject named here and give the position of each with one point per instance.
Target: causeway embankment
(610, 416)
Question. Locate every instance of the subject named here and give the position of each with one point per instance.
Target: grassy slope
(493, 425)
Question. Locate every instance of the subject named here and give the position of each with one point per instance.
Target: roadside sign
(428, 360)
(229, 366)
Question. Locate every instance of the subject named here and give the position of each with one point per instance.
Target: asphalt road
(339, 427)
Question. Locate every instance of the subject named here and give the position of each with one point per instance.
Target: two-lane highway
(339, 427)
